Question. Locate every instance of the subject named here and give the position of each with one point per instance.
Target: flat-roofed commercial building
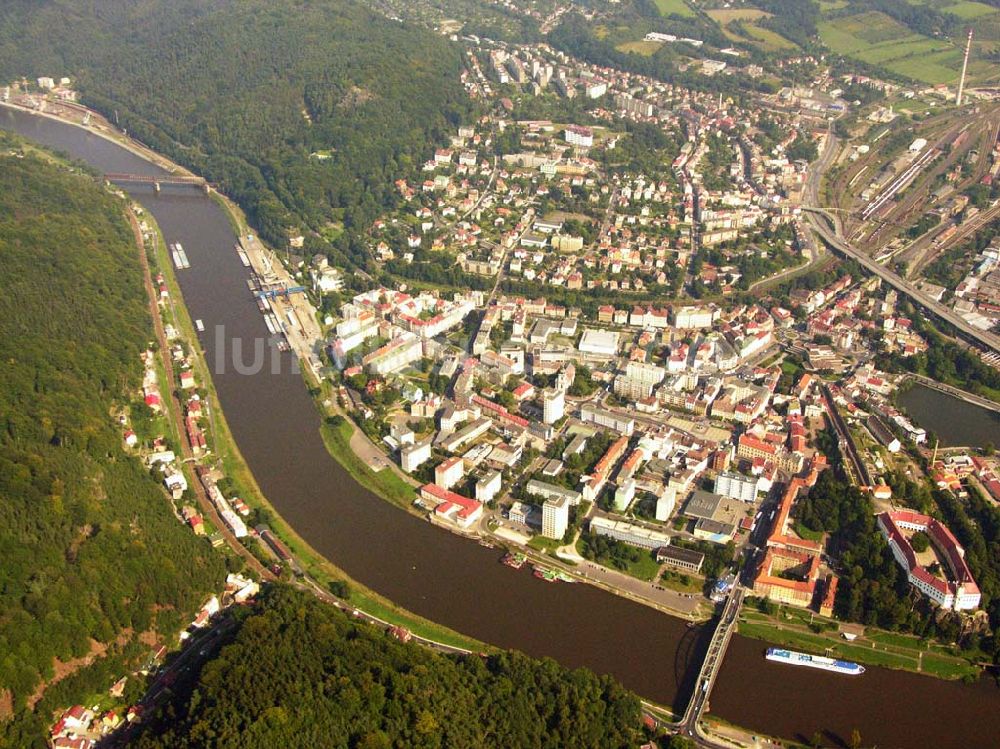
(600, 342)
(589, 413)
(628, 533)
(682, 559)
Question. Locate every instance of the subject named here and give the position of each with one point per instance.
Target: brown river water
(456, 582)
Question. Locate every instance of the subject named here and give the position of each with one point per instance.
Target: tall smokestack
(965, 65)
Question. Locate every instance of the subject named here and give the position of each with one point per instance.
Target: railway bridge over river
(158, 180)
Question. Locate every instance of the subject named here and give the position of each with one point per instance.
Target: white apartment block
(555, 517)
(736, 486)
(553, 406)
(411, 457)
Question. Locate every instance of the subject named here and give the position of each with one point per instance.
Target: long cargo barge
(793, 658)
(179, 256)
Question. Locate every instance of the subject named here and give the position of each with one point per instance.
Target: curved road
(838, 243)
(988, 340)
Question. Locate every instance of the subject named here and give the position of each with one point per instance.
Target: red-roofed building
(751, 447)
(960, 592)
(499, 412)
(451, 506)
(829, 595)
(524, 391)
(772, 584)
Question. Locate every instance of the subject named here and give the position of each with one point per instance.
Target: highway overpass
(988, 340)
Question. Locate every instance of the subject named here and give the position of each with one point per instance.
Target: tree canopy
(304, 112)
(301, 674)
(90, 546)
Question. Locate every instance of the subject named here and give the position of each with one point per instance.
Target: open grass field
(641, 47)
(769, 41)
(877, 39)
(725, 15)
(765, 39)
(679, 7)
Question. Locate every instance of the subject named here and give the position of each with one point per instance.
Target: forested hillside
(89, 547)
(301, 674)
(304, 112)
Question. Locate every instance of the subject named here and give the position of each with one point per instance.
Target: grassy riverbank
(337, 434)
(795, 628)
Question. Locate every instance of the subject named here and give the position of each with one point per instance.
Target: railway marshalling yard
(902, 189)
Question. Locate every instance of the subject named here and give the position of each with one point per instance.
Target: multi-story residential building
(736, 486)
(518, 513)
(395, 355)
(638, 380)
(577, 135)
(471, 431)
(546, 490)
(411, 457)
(624, 494)
(750, 447)
(555, 517)
(449, 472)
(553, 405)
(665, 503)
(692, 317)
(488, 486)
(589, 413)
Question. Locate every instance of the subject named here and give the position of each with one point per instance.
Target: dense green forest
(304, 112)
(301, 674)
(88, 541)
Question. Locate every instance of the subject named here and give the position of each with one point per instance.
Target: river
(955, 421)
(460, 584)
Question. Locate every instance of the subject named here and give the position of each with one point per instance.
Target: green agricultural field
(850, 35)
(906, 48)
(679, 7)
(967, 10)
(877, 39)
